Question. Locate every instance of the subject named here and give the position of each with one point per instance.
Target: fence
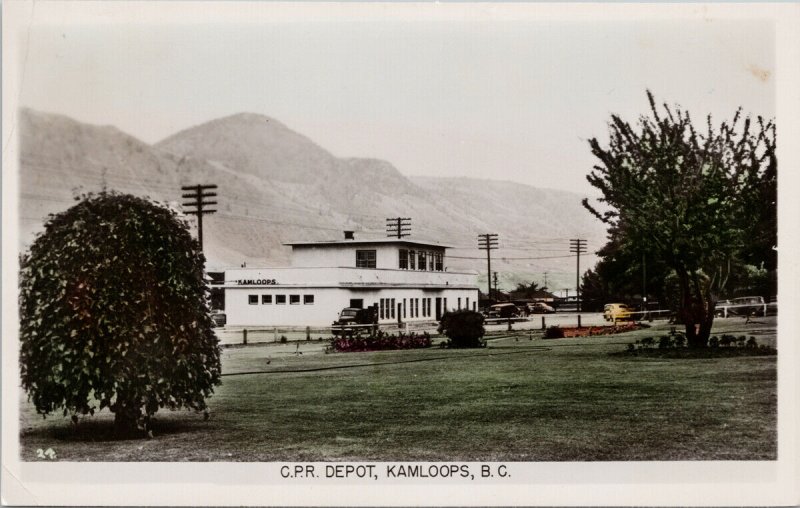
(278, 334)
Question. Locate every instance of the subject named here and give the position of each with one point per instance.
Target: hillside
(276, 185)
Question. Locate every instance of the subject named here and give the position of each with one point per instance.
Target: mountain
(276, 185)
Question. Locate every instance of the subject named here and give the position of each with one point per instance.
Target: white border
(624, 483)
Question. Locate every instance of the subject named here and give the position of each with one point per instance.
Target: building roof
(396, 241)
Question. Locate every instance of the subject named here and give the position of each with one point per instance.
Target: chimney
(348, 235)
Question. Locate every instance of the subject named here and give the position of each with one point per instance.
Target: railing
(244, 335)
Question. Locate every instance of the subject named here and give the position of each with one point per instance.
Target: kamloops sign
(256, 282)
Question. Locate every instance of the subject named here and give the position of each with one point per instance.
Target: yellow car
(617, 312)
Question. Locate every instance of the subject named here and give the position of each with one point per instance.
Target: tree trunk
(696, 310)
(126, 418)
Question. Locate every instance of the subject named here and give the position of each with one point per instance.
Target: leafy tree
(464, 328)
(525, 290)
(617, 277)
(113, 313)
(686, 197)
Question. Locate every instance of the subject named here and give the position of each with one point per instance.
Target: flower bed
(381, 342)
(588, 331)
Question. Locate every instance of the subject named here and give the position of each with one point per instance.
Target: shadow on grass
(104, 430)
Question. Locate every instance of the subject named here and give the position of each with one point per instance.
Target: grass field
(516, 400)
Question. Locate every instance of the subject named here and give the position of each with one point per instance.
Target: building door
(438, 309)
(357, 303)
(399, 313)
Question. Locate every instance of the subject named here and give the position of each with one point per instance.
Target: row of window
(409, 260)
(387, 307)
(421, 260)
(280, 299)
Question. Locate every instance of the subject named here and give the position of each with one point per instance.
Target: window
(308, 299)
(382, 307)
(467, 306)
(403, 259)
(252, 299)
(294, 299)
(392, 304)
(266, 299)
(412, 260)
(422, 261)
(365, 259)
(405, 314)
(445, 304)
(459, 303)
(439, 257)
(280, 299)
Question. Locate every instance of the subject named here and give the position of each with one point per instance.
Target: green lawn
(519, 399)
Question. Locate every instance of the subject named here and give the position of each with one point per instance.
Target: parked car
(502, 310)
(349, 317)
(540, 308)
(218, 318)
(742, 306)
(617, 312)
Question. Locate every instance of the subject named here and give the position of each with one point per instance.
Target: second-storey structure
(407, 280)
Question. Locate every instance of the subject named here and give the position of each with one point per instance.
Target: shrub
(713, 342)
(113, 313)
(648, 342)
(631, 348)
(752, 343)
(665, 342)
(284, 340)
(463, 328)
(382, 342)
(726, 340)
(554, 332)
(679, 340)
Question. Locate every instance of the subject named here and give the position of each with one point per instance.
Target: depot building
(407, 280)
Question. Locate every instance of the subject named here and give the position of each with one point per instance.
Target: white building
(407, 281)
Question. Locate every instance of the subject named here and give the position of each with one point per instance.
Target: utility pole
(578, 246)
(198, 194)
(488, 242)
(398, 226)
(644, 283)
(495, 282)
(545, 282)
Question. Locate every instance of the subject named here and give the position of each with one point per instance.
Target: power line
(578, 246)
(198, 195)
(398, 226)
(488, 242)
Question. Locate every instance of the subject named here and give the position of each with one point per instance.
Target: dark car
(352, 320)
(502, 310)
(540, 308)
(742, 306)
(218, 318)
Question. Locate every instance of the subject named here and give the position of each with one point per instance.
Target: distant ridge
(277, 185)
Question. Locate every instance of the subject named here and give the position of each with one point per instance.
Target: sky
(503, 99)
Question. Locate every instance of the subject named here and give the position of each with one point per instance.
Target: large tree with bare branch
(689, 198)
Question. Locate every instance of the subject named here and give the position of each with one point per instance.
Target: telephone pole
(198, 194)
(398, 226)
(578, 246)
(495, 282)
(488, 242)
